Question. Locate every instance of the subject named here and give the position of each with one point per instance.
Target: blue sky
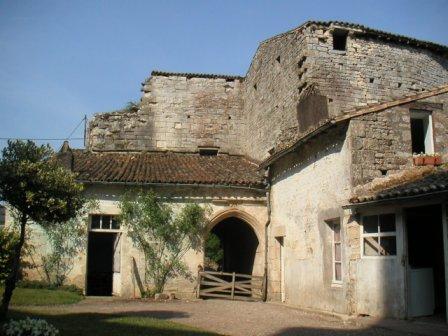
(60, 60)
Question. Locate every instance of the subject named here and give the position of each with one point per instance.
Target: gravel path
(243, 318)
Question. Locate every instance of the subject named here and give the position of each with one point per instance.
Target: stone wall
(180, 112)
(176, 113)
(370, 70)
(271, 91)
(381, 142)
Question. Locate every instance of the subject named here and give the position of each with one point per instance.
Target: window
(379, 235)
(208, 151)
(104, 222)
(340, 40)
(337, 251)
(421, 132)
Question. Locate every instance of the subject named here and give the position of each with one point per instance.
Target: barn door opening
(426, 269)
(231, 247)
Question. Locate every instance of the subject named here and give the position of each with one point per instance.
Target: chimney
(65, 156)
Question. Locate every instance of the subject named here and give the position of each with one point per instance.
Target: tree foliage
(214, 252)
(66, 240)
(38, 189)
(8, 241)
(162, 234)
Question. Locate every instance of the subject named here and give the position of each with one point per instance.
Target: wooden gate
(231, 286)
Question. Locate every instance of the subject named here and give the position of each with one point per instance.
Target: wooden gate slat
(230, 286)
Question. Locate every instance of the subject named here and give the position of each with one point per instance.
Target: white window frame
(333, 223)
(101, 223)
(379, 234)
(426, 116)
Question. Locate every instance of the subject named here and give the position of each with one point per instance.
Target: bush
(29, 327)
(8, 241)
(44, 285)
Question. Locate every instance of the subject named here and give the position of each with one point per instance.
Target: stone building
(308, 161)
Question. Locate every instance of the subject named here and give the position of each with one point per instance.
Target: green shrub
(29, 327)
(8, 241)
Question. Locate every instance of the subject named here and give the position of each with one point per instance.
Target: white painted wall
(220, 200)
(309, 187)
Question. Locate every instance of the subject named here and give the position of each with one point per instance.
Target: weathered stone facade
(370, 70)
(180, 112)
(381, 142)
(177, 113)
(298, 81)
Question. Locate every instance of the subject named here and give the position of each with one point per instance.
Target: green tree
(66, 240)
(163, 235)
(38, 189)
(214, 252)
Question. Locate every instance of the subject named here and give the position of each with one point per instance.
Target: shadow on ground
(129, 323)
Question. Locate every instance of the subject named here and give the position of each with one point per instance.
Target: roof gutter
(155, 184)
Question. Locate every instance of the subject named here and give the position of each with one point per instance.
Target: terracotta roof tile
(434, 182)
(166, 167)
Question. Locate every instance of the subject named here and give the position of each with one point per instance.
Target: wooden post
(445, 248)
(233, 285)
(198, 286)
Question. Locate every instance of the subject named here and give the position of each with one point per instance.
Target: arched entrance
(231, 245)
(239, 245)
(234, 257)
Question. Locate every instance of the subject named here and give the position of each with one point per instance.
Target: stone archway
(240, 241)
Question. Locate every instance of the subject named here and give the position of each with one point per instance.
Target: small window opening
(188, 116)
(208, 151)
(278, 59)
(371, 80)
(335, 226)
(383, 172)
(104, 222)
(230, 117)
(399, 85)
(421, 132)
(255, 86)
(340, 40)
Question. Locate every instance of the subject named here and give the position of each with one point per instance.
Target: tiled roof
(193, 75)
(380, 34)
(166, 167)
(434, 182)
(291, 138)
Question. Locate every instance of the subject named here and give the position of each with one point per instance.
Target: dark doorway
(100, 263)
(426, 271)
(239, 245)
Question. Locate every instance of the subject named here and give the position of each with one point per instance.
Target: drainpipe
(268, 205)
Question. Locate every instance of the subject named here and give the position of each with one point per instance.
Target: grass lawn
(125, 324)
(40, 297)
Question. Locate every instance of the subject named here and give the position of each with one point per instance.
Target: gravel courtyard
(248, 318)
